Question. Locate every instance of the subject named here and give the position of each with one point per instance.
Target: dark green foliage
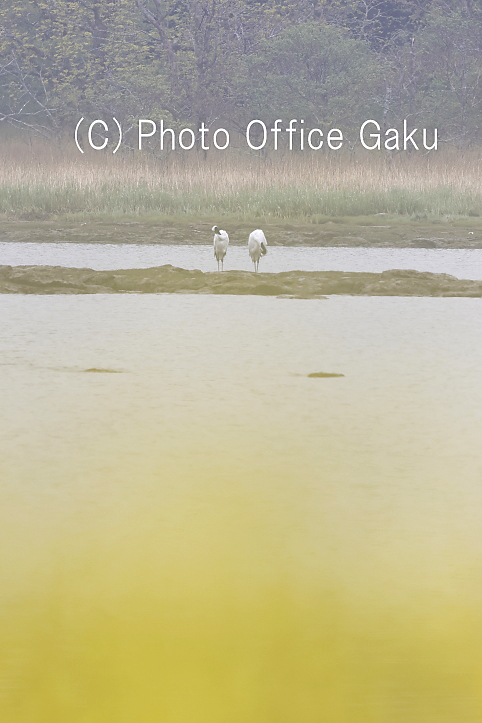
(381, 22)
(225, 63)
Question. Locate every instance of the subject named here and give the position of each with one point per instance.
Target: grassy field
(40, 181)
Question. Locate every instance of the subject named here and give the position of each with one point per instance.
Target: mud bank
(169, 279)
(382, 231)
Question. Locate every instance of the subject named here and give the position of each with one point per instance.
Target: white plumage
(221, 242)
(257, 246)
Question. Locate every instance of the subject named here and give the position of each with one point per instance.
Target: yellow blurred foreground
(204, 616)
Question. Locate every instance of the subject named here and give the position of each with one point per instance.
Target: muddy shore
(381, 231)
(293, 284)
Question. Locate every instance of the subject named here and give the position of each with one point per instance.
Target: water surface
(221, 383)
(462, 263)
(209, 534)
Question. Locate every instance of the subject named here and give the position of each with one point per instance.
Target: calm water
(210, 383)
(210, 472)
(463, 263)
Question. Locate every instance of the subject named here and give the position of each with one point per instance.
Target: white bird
(257, 246)
(221, 242)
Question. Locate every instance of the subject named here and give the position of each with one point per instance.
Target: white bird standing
(221, 242)
(257, 246)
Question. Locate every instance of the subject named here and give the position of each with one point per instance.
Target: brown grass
(37, 179)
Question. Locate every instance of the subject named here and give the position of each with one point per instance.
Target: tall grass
(37, 180)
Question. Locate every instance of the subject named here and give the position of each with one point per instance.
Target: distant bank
(378, 231)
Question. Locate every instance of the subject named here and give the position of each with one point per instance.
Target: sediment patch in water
(292, 284)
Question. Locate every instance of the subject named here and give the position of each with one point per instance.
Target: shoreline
(380, 231)
(291, 284)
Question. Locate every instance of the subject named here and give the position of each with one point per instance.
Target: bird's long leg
(222, 265)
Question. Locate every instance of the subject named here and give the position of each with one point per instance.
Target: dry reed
(39, 180)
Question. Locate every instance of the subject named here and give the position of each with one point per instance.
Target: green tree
(63, 59)
(314, 72)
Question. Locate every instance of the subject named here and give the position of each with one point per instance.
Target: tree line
(330, 62)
